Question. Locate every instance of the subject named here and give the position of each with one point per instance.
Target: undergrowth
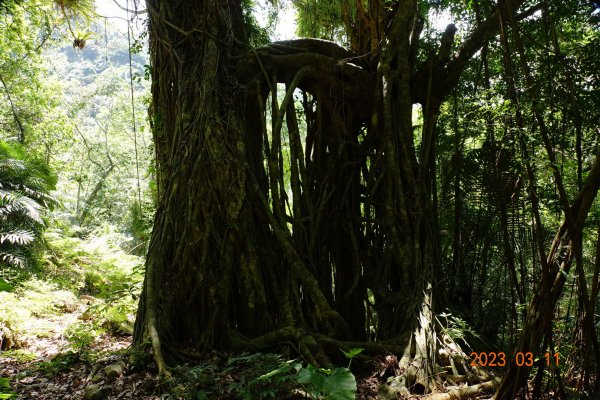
(259, 376)
(5, 392)
(83, 288)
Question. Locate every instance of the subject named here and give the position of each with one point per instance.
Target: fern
(25, 184)
(18, 237)
(12, 259)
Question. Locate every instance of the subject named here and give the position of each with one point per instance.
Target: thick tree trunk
(223, 269)
(243, 255)
(205, 245)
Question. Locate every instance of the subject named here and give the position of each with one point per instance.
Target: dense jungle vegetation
(397, 201)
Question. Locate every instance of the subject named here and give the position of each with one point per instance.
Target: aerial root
(163, 370)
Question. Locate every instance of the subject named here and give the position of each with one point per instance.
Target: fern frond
(18, 237)
(12, 259)
(14, 202)
(9, 167)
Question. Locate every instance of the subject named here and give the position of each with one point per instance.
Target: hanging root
(152, 325)
(163, 371)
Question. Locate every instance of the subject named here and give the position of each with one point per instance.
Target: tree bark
(204, 247)
(243, 255)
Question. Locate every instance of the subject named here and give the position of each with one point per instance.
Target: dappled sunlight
(299, 199)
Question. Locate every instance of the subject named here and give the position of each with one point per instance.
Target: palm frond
(14, 202)
(25, 183)
(39, 195)
(12, 259)
(18, 237)
(10, 167)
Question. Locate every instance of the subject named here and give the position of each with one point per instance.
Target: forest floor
(65, 328)
(65, 333)
(60, 351)
(53, 357)
(45, 368)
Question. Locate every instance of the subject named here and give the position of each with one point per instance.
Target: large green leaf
(340, 385)
(313, 377)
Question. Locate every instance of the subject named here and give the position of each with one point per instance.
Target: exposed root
(432, 360)
(163, 371)
(465, 392)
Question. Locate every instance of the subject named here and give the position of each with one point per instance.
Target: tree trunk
(206, 243)
(223, 270)
(549, 289)
(245, 255)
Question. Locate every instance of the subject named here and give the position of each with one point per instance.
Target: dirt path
(44, 367)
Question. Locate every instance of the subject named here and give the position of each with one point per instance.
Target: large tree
(264, 236)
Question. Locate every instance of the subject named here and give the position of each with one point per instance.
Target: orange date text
(520, 359)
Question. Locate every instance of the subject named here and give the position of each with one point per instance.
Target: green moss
(19, 355)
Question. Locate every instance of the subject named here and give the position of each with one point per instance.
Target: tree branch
(136, 11)
(447, 74)
(21, 137)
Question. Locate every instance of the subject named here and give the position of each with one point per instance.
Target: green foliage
(60, 363)
(85, 7)
(99, 268)
(320, 383)
(5, 286)
(336, 384)
(115, 319)
(24, 186)
(99, 155)
(455, 327)
(248, 386)
(28, 310)
(246, 377)
(81, 337)
(72, 267)
(140, 357)
(19, 355)
(257, 35)
(5, 392)
(94, 282)
(320, 19)
(350, 354)
(27, 98)
(75, 11)
(139, 225)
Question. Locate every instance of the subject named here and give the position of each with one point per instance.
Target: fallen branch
(465, 392)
